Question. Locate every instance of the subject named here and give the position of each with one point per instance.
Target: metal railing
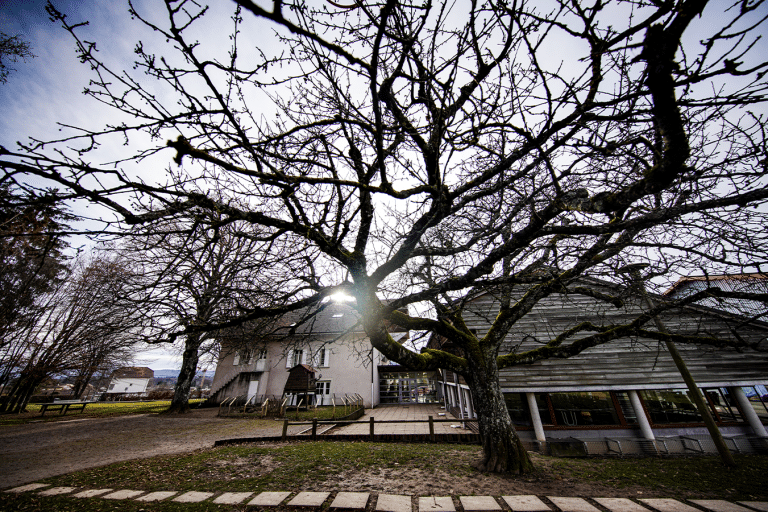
(371, 422)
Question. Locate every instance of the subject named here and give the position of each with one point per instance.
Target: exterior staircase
(257, 366)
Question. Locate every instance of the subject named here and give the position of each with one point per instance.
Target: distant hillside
(174, 374)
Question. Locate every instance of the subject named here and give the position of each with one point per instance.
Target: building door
(408, 392)
(253, 390)
(323, 392)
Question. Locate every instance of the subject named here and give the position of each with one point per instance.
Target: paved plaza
(443, 423)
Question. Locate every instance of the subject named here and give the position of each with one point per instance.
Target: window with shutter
(296, 357)
(326, 357)
(236, 360)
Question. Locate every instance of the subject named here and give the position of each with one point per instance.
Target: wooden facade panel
(631, 362)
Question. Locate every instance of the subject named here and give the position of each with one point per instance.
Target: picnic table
(63, 407)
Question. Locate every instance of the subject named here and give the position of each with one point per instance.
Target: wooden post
(371, 428)
(314, 429)
(431, 429)
(693, 389)
(285, 429)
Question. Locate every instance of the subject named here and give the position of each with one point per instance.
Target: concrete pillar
(538, 428)
(470, 405)
(642, 419)
(459, 396)
(749, 413)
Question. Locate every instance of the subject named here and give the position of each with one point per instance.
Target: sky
(48, 89)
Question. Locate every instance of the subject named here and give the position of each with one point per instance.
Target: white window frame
(290, 361)
(322, 358)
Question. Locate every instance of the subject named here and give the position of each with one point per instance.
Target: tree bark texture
(180, 401)
(503, 452)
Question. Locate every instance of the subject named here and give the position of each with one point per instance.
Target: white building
(130, 380)
(329, 340)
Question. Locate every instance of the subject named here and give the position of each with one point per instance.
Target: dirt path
(39, 450)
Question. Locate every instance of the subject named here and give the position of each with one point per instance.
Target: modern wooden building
(629, 387)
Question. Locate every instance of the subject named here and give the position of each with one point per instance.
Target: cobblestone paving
(350, 501)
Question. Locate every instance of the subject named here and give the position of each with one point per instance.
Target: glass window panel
(543, 405)
(626, 407)
(584, 408)
(758, 401)
(670, 406)
(517, 405)
(724, 404)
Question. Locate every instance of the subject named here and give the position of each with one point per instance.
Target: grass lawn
(93, 410)
(335, 466)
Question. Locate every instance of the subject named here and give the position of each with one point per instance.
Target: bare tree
(426, 152)
(77, 326)
(32, 256)
(197, 273)
(12, 48)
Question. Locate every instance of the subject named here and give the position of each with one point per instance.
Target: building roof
(745, 283)
(329, 317)
(133, 372)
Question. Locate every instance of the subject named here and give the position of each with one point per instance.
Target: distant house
(328, 347)
(129, 381)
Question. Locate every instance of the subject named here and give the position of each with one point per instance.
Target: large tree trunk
(503, 452)
(22, 391)
(180, 401)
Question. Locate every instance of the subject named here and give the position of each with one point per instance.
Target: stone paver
(526, 503)
(572, 504)
(55, 491)
(157, 496)
(479, 503)
(762, 506)
(350, 501)
(193, 497)
(232, 498)
(91, 493)
(308, 499)
(720, 506)
(125, 494)
(668, 505)
(620, 505)
(28, 487)
(269, 499)
(393, 503)
(436, 504)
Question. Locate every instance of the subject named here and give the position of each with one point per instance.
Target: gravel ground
(39, 450)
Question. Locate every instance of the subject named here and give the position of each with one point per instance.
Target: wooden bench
(62, 407)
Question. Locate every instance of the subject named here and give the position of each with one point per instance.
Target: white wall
(126, 385)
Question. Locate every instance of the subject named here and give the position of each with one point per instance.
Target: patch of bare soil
(439, 482)
(549, 480)
(241, 468)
